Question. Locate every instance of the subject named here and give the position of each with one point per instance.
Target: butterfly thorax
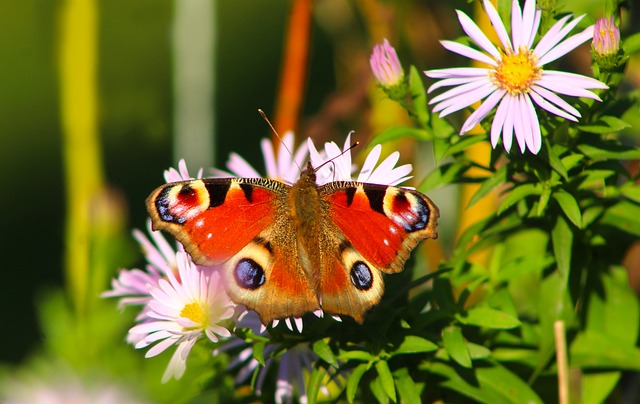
(306, 209)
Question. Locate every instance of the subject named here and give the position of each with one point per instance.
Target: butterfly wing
(378, 226)
(242, 225)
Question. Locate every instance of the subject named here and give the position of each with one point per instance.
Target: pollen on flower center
(194, 312)
(516, 72)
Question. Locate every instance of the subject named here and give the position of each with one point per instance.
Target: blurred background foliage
(135, 107)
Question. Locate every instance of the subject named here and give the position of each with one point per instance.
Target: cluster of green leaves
(484, 331)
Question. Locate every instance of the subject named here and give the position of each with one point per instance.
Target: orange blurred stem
(294, 69)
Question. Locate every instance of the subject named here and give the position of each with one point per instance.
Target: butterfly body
(287, 250)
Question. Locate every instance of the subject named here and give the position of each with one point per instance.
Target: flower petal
(555, 34)
(498, 25)
(464, 100)
(498, 121)
(544, 104)
(477, 35)
(457, 72)
(567, 46)
(516, 24)
(482, 111)
(534, 141)
(468, 52)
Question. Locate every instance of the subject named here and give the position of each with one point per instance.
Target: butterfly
(287, 250)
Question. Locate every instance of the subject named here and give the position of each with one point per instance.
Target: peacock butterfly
(287, 250)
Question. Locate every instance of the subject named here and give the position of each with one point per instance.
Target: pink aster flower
(385, 65)
(606, 37)
(184, 308)
(515, 79)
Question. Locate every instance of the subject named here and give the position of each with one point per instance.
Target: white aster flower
(132, 285)
(515, 78)
(341, 168)
(184, 308)
(284, 166)
(181, 174)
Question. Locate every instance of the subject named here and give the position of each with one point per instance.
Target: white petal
(567, 89)
(516, 24)
(507, 129)
(482, 111)
(535, 140)
(555, 35)
(518, 123)
(574, 79)
(498, 121)
(457, 72)
(534, 29)
(554, 98)
(159, 347)
(239, 167)
(498, 25)
(468, 52)
(464, 100)
(463, 89)
(370, 163)
(454, 82)
(544, 104)
(477, 35)
(528, 22)
(566, 46)
(269, 158)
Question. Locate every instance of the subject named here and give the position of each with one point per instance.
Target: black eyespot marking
(248, 274)
(164, 208)
(361, 276)
(422, 216)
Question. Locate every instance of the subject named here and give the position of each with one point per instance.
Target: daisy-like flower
(285, 166)
(184, 308)
(341, 168)
(514, 79)
(132, 286)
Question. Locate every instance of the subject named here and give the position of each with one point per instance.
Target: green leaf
(569, 206)
(595, 350)
(354, 380)
(486, 384)
(610, 151)
(543, 201)
(414, 344)
(554, 160)
(408, 391)
(462, 145)
(378, 391)
(605, 125)
(418, 96)
(487, 317)
(399, 132)
(324, 352)
(631, 191)
(598, 386)
(258, 352)
(453, 342)
(443, 175)
(624, 215)
(386, 378)
(362, 356)
(562, 241)
(314, 383)
(631, 44)
(517, 194)
(491, 183)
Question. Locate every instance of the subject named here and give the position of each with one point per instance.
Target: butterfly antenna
(353, 146)
(264, 116)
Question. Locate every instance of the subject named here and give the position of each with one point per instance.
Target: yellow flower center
(194, 312)
(516, 72)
